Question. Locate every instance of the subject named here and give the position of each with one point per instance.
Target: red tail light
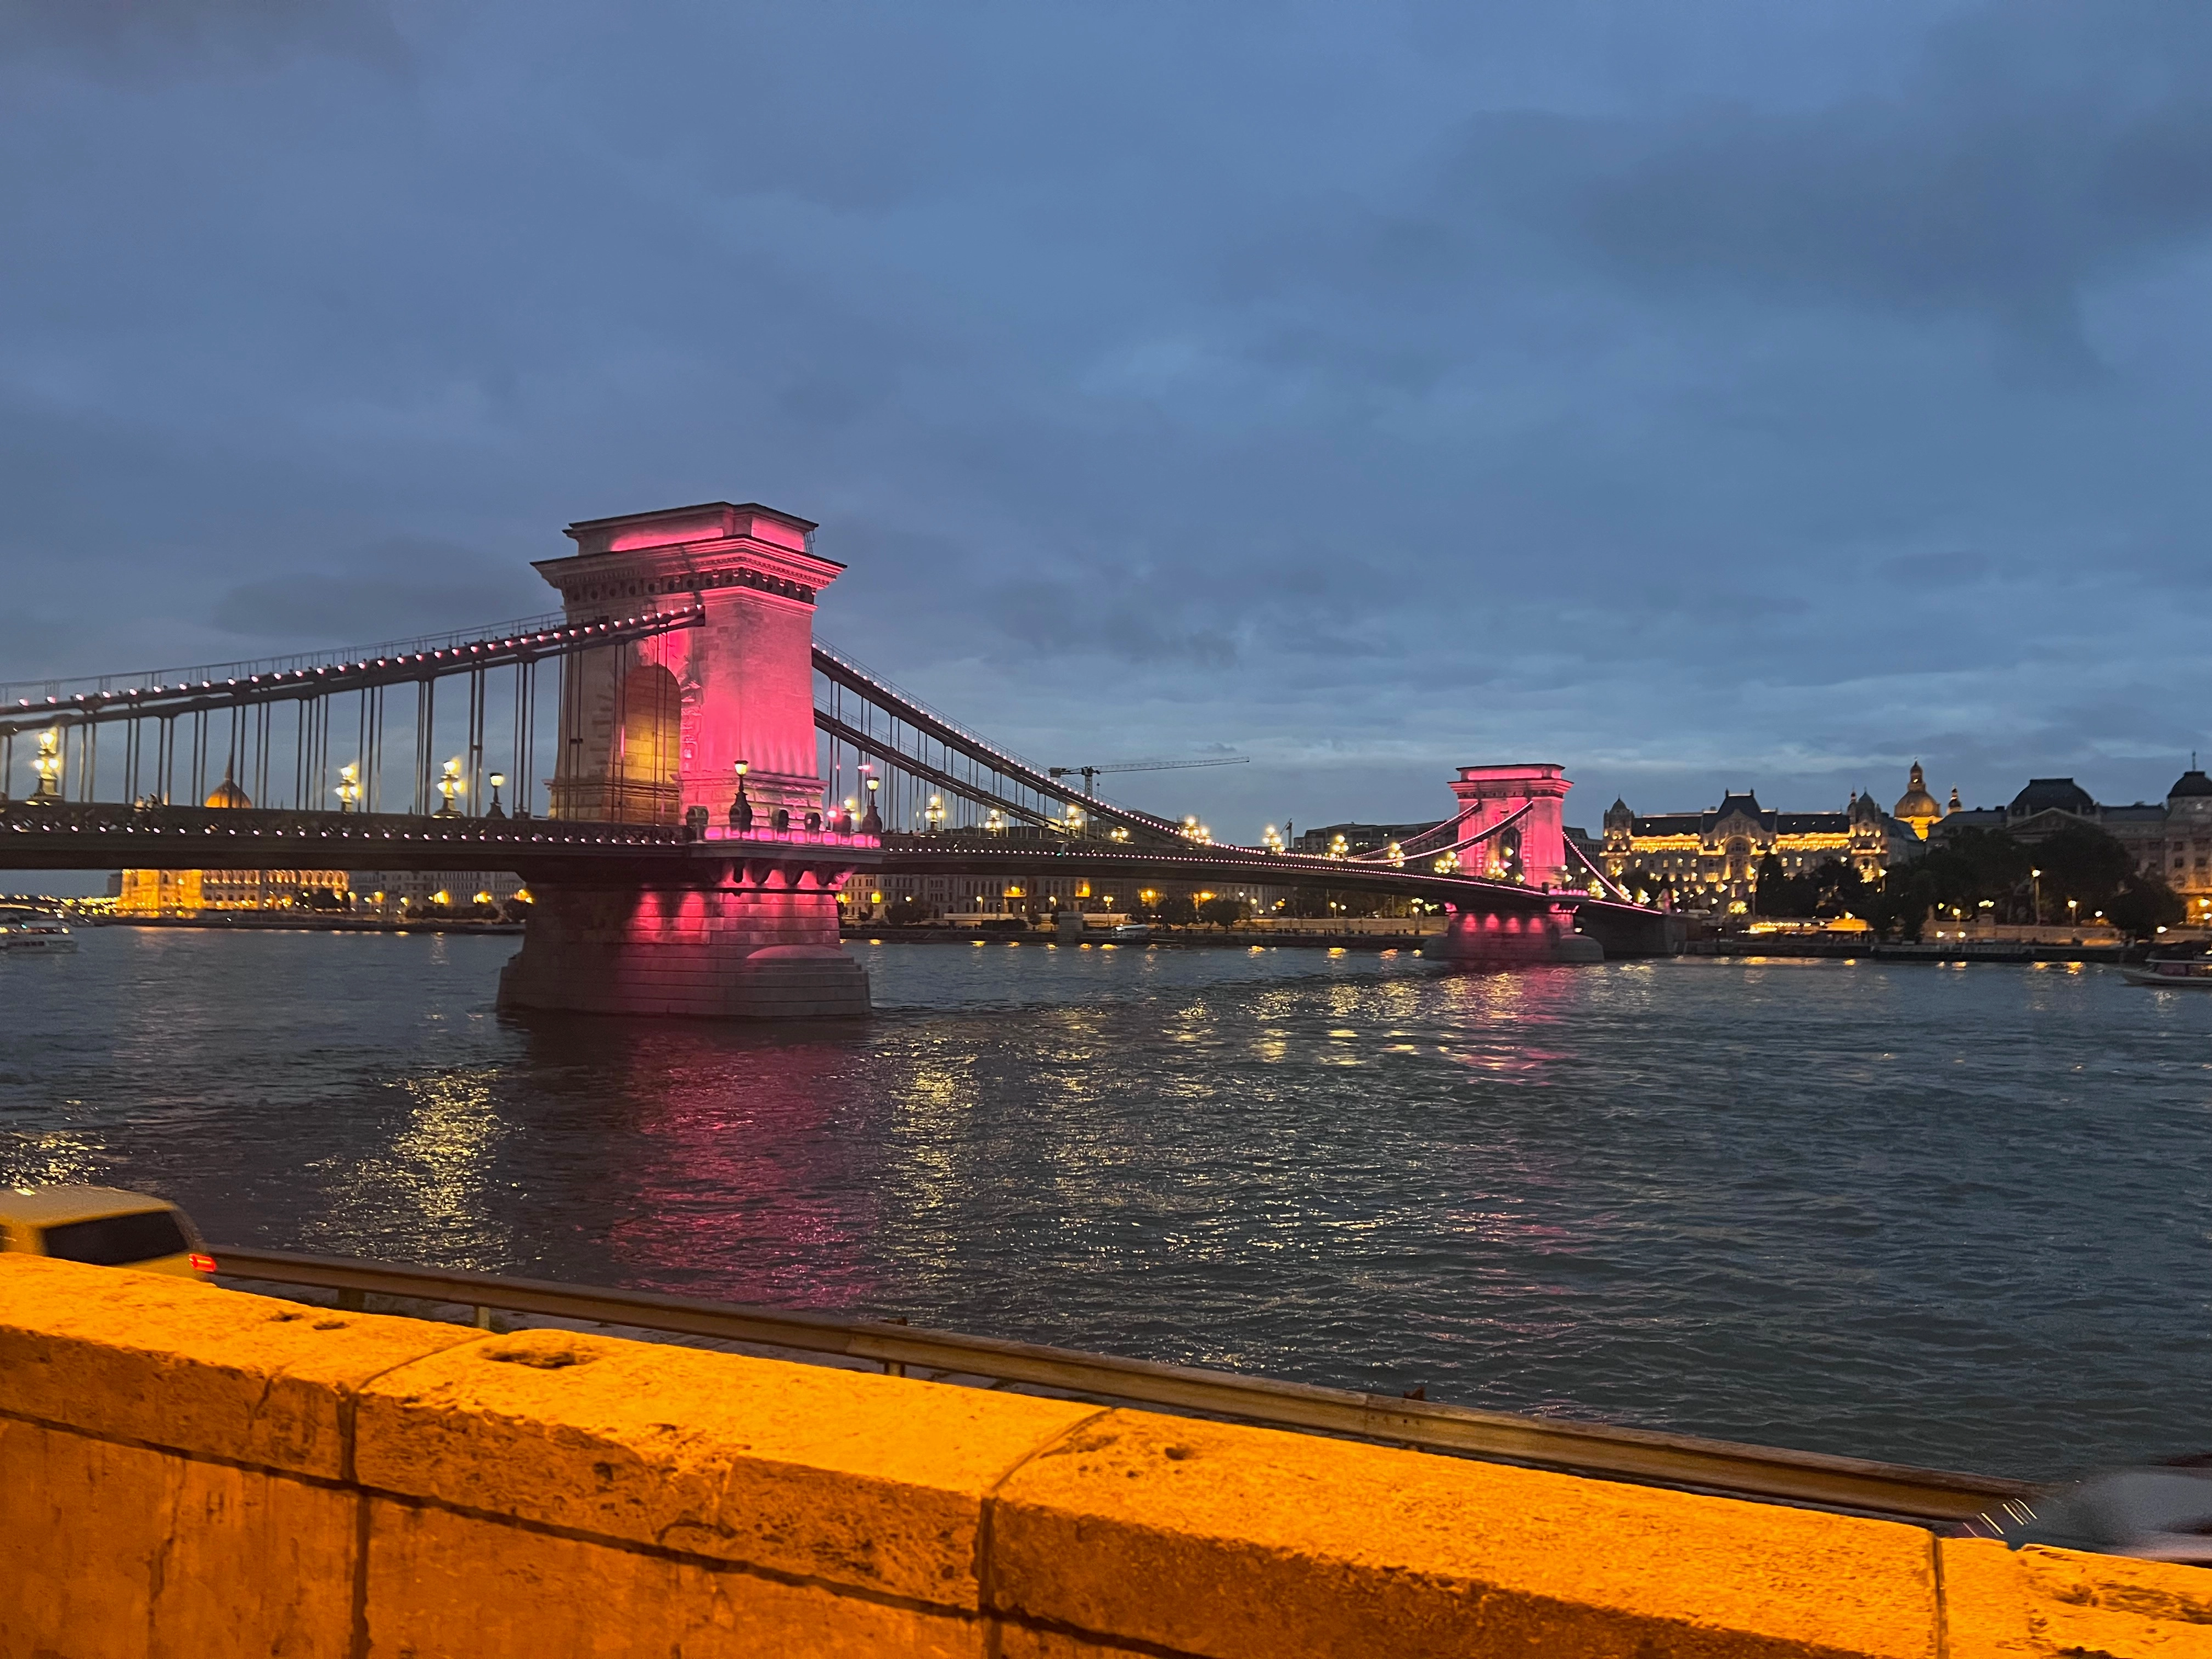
(201, 1264)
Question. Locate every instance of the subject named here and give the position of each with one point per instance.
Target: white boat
(2189, 974)
(27, 930)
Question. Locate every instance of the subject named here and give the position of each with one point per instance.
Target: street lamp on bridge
(349, 789)
(47, 763)
(741, 809)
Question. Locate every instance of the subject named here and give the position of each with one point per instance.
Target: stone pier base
(710, 953)
(1508, 941)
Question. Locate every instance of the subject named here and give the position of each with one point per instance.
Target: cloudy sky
(1701, 395)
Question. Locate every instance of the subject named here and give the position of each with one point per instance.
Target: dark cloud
(1923, 571)
(1706, 395)
(2033, 150)
(393, 589)
(161, 39)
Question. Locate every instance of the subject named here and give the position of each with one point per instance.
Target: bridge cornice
(715, 546)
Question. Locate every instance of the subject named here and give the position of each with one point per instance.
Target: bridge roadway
(928, 855)
(111, 836)
(77, 836)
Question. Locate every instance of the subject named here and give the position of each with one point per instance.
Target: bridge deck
(109, 836)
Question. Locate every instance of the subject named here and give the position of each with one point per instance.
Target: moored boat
(2174, 973)
(30, 930)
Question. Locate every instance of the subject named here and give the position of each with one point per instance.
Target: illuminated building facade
(180, 892)
(1709, 860)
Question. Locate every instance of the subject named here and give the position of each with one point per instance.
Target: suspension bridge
(689, 780)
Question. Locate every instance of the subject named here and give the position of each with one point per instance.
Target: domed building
(187, 892)
(2171, 838)
(227, 794)
(1916, 807)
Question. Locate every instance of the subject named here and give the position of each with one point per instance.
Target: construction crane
(1087, 773)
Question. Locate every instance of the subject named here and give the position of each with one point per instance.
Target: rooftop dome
(227, 793)
(2192, 782)
(1916, 806)
(2052, 795)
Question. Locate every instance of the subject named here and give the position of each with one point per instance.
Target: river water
(1955, 1216)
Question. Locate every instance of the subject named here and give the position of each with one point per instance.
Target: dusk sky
(1699, 395)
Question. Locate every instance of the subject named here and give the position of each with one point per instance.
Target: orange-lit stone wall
(185, 1470)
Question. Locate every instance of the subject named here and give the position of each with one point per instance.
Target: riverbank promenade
(195, 1470)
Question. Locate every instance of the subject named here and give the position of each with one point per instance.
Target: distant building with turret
(2171, 841)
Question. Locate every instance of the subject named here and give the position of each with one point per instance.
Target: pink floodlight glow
(1488, 795)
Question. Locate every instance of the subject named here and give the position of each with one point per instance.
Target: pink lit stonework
(1532, 850)
(651, 732)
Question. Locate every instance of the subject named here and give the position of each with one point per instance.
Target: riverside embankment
(185, 1469)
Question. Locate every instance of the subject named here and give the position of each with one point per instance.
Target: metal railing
(1813, 1478)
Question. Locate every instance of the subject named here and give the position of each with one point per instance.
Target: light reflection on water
(1958, 1217)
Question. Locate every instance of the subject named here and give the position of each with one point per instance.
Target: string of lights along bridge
(691, 783)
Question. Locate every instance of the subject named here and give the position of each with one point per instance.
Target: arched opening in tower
(648, 748)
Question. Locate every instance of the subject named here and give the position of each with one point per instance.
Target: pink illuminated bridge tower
(1531, 849)
(655, 732)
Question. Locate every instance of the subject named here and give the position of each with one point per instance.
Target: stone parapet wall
(185, 1470)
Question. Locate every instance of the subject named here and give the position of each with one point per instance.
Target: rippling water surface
(1951, 1216)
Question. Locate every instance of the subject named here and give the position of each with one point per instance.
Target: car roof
(43, 1206)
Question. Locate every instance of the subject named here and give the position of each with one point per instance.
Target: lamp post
(498, 781)
(934, 815)
(449, 785)
(2035, 890)
(47, 763)
(873, 823)
(348, 790)
(741, 809)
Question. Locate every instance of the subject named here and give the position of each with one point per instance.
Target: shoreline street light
(449, 785)
(2035, 891)
(741, 808)
(498, 781)
(349, 789)
(47, 763)
(873, 823)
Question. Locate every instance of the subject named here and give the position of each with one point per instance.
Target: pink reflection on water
(737, 1177)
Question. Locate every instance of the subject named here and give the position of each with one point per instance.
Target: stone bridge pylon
(655, 732)
(1530, 847)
